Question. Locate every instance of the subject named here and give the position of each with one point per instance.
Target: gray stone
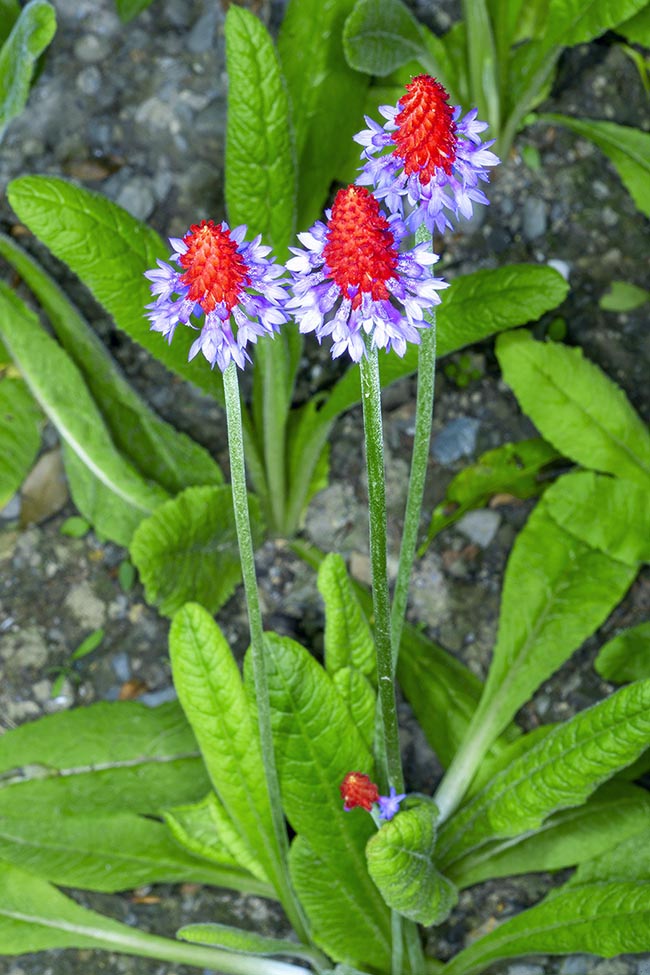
(480, 526)
(523, 969)
(534, 219)
(456, 439)
(91, 49)
(154, 698)
(88, 608)
(121, 666)
(26, 648)
(561, 267)
(643, 966)
(89, 81)
(577, 965)
(201, 37)
(12, 509)
(136, 197)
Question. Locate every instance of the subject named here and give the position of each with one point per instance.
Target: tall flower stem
(244, 538)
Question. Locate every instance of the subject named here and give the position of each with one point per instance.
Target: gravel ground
(139, 114)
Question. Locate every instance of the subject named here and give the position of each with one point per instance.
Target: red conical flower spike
(215, 271)
(426, 132)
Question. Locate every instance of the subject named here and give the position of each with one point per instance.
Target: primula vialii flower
(359, 791)
(352, 281)
(230, 282)
(426, 161)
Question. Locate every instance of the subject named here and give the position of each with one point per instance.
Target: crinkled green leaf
(62, 394)
(30, 35)
(606, 919)
(627, 656)
(628, 859)
(20, 434)
(212, 694)
(382, 35)
(326, 95)
(559, 772)
(317, 744)
(155, 448)
(513, 468)
(187, 550)
(575, 406)
(557, 591)
(110, 251)
(636, 30)
(128, 9)
(571, 22)
(103, 758)
(626, 147)
(608, 513)
(624, 296)
(615, 812)
(261, 173)
(308, 458)
(475, 307)
(401, 860)
(348, 638)
(236, 939)
(361, 699)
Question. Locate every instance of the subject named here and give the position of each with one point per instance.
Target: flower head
(358, 790)
(389, 805)
(351, 281)
(426, 161)
(230, 282)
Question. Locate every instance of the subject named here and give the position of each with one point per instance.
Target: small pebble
(154, 698)
(480, 526)
(534, 218)
(456, 439)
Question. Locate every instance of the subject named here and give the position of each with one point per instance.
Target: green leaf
(628, 859)
(60, 390)
(260, 165)
(128, 9)
(211, 692)
(616, 811)
(103, 758)
(626, 147)
(75, 527)
(575, 406)
(636, 30)
(513, 468)
(29, 37)
(623, 296)
(557, 592)
(20, 434)
(326, 95)
(317, 744)
(607, 513)
(401, 863)
(473, 308)
(627, 656)
(606, 919)
(559, 772)
(188, 549)
(66, 217)
(9, 14)
(570, 22)
(361, 699)
(236, 939)
(348, 638)
(87, 646)
(107, 853)
(160, 452)
(382, 35)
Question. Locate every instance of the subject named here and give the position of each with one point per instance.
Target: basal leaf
(557, 591)
(20, 434)
(260, 162)
(236, 939)
(613, 813)
(155, 448)
(128, 9)
(626, 147)
(212, 694)
(103, 758)
(9, 14)
(382, 35)
(636, 30)
(627, 859)
(575, 406)
(606, 919)
(326, 94)
(559, 772)
(187, 551)
(30, 35)
(110, 251)
(62, 394)
(627, 656)
(473, 308)
(608, 513)
(361, 699)
(513, 468)
(571, 22)
(348, 638)
(623, 295)
(401, 863)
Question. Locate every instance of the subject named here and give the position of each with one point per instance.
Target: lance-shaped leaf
(106, 757)
(212, 694)
(348, 638)
(615, 812)
(236, 939)
(155, 448)
(110, 251)
(627, 656)
(361, 699)
(628, 859)
(575, 406)
(559, 772)
(571, 22)
(20, 434)
(382, 35)
(62, 394)
(260, 164)
(30, 35)
(608, 513)
(187, 551)
(401, 860)
(606, 919)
